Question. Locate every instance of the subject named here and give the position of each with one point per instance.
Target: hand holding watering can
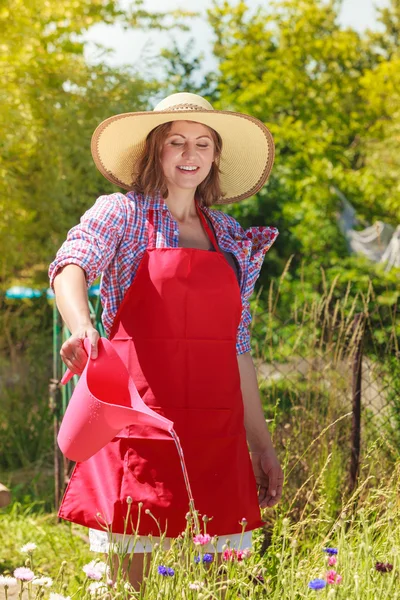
(104, 401)
(73, 351)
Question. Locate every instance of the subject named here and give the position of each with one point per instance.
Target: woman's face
(187, 154)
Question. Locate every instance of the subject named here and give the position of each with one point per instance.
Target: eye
(176, 143)
(202, 145)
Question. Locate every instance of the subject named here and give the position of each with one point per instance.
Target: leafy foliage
(52, 102)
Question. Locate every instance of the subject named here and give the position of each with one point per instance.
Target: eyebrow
(198, 138)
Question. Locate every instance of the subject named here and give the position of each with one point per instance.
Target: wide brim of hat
(247, 148)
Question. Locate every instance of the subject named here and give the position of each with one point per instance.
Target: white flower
(43, 581)
(28, 547)
(196, 585)
(54, 596)
(96, 569)
(97, 587)
(6, 580)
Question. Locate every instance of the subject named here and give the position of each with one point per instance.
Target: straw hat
(247, 144)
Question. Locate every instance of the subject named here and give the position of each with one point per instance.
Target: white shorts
(102, 541)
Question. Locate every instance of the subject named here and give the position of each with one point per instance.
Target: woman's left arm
(267, 470)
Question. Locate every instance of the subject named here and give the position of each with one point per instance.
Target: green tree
(51, 103)
(296, 69)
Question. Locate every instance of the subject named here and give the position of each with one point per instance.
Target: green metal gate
(59, 395)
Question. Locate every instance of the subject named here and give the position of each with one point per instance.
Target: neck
(181, 204)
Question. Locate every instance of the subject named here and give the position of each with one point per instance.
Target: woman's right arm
(89, 248)
(70, 289)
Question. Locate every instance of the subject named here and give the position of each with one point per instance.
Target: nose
(189, 151)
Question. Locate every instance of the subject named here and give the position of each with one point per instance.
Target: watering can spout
(104, 401)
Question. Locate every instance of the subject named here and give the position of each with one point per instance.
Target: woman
(176, 282)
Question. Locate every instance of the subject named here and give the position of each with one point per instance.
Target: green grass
(366, 531)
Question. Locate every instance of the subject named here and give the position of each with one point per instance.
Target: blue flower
(317, 584)
(331, 551)
(165, 571)
(207, 558)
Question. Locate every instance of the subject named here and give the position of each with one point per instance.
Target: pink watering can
(104, 401)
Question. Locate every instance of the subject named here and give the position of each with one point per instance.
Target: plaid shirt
(112, 238)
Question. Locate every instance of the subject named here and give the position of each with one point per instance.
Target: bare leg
(133, 567)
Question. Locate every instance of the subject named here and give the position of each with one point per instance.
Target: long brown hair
(149, 176)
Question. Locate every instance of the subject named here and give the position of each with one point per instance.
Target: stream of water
(192, 507)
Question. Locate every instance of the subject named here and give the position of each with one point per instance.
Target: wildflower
(96, 569)
(383, 567)
(165, 571)
(97, 587)
(43, 581)
(332, 560)
(331, 551)
(202, 540)
(207, 558)
(231, 555)
(28, 547)
(317, 584)
(196, 585)
(54, 596)
(333, 577)
(24, 574)
(7, 581)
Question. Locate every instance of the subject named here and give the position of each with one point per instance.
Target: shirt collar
(154, 202)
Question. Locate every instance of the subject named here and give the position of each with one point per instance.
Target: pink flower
(202, 540)
(333, 577)
(332, 560)
(242, 554)
(231, 555)
(24, 574)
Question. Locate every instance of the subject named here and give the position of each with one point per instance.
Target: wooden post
(358, 327)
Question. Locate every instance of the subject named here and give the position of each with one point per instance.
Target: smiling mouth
(192, 169)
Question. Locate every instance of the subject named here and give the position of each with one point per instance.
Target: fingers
(272, 482)
(269, 487)
(73, 351)
(270, 501)
(262, 495)
(73, 355)
(93, 336)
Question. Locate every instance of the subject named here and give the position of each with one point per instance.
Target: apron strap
(151, 244)
(208, 229)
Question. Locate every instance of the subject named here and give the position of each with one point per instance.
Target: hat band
(184, 107)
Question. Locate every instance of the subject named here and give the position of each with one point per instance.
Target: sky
(128, 46)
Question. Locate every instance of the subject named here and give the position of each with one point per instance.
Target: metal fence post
(358, 328)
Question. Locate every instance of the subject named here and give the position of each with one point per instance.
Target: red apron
(176, 330)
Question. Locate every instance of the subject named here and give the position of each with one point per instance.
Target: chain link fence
(324, 365)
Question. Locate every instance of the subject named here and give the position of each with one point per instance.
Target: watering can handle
(68, 373)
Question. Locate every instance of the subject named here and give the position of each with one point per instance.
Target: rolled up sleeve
(93, 242)
(258, 240)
